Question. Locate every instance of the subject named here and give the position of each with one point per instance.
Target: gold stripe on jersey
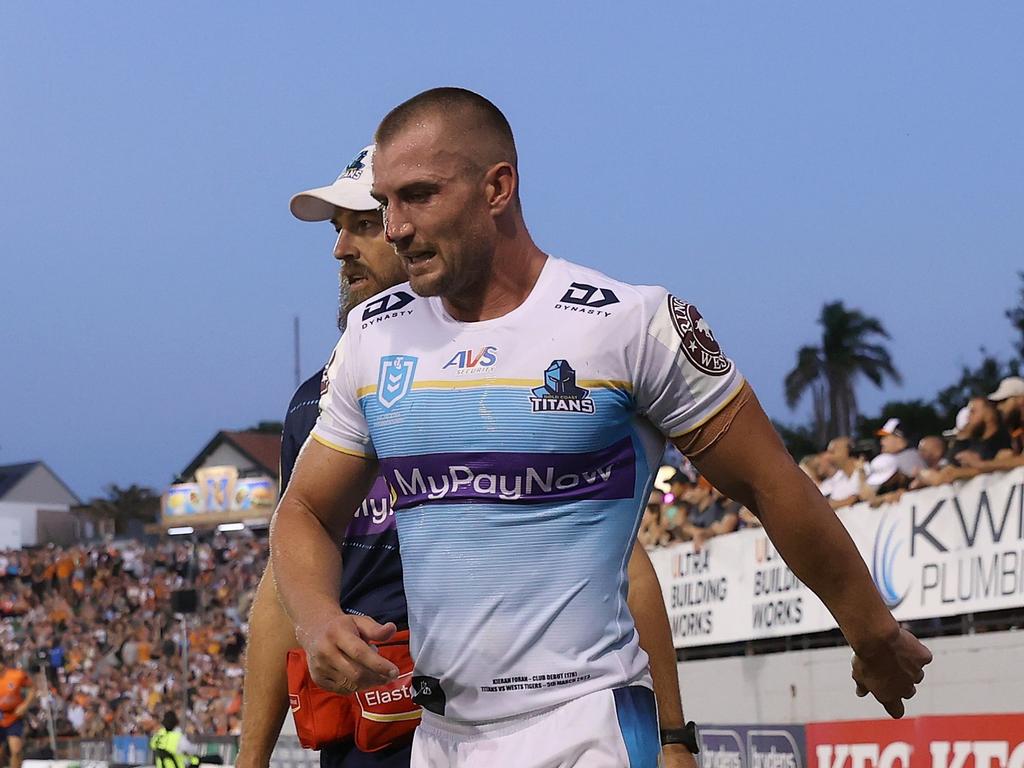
(483, 383)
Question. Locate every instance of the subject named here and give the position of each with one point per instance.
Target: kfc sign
(966, 741)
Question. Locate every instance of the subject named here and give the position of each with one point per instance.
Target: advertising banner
(219, 493)
(953, 741)
(751, 746)
(938, 552)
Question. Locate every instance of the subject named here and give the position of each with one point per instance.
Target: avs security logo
(699, 344)
(588, 299)
(395, 378)
(560, 393)
(470, 361)
(354, 169)
(387, 306)
(884, 556)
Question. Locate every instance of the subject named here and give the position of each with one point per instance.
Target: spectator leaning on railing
(1009, 399)
(983, 437)
(710, 514)
(1008, 402)
(891, 472)
(842, 487)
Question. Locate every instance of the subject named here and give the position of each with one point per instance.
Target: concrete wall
(40, 523)
(42, 488)
(10, 531)
(979, 673)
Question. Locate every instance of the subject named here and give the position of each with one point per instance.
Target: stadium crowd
(96, 623)
(988, 436)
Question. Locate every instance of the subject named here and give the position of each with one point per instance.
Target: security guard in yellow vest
(171, 748)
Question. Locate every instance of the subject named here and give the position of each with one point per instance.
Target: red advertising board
(861, 744)
(955, 741)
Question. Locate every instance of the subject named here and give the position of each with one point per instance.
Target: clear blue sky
(758, 159)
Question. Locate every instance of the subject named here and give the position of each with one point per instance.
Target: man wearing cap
(1009, 399)
(891, 472)
(372, 571)
(983, 438)
(1002, 450)
(371, 575)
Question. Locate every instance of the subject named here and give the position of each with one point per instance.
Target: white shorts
(606, 729)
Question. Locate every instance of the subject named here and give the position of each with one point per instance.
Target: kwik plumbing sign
(938, 552)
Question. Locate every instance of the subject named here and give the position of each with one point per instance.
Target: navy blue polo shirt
(371, 568)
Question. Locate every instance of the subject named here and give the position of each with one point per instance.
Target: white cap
(891, 427)
(1011, 386)
(881, 468)
(962, 417)
(350, 190)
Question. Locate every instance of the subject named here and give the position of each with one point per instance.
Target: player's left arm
(739, 452)
(687, 388)
(647, 605)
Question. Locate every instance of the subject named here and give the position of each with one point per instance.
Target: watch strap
(687, 736)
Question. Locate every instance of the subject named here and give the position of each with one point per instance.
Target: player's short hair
(480, 113)
(170, 720)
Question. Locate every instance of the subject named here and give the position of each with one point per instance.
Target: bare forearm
(265, 688)
(821, 553)
(306, 566)
(647, 605)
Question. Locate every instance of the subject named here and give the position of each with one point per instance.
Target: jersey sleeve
(683, 378)
(341, 424)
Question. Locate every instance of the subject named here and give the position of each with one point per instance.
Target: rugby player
(371, 577)
(518, 483)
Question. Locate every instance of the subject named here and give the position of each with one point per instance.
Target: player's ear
(501, 185)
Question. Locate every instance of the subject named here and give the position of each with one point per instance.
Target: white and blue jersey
(519, 454)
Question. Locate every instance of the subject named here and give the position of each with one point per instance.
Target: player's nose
(396, 228)
(345, 247)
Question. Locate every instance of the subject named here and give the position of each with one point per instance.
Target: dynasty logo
(559, 392)
(588, 299)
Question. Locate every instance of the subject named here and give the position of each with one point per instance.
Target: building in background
(232, 480)
(35, 507)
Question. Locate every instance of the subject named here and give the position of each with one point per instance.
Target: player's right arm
(265, 693)
(325, 490)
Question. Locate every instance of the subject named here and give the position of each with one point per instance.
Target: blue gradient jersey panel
(371, 567)
(518, 453)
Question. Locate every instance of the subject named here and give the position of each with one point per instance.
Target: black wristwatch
(687, 736)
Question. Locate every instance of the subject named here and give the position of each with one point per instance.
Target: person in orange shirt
(16, 695)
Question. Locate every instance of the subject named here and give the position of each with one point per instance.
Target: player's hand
(341, 658)
(892, 672)
(677, 756)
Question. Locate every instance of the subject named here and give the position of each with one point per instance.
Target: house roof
(12, 474)
(262, 448)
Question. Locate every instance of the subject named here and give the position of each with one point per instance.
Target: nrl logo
(395, 378)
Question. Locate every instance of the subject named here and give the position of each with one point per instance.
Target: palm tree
(831, 370)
